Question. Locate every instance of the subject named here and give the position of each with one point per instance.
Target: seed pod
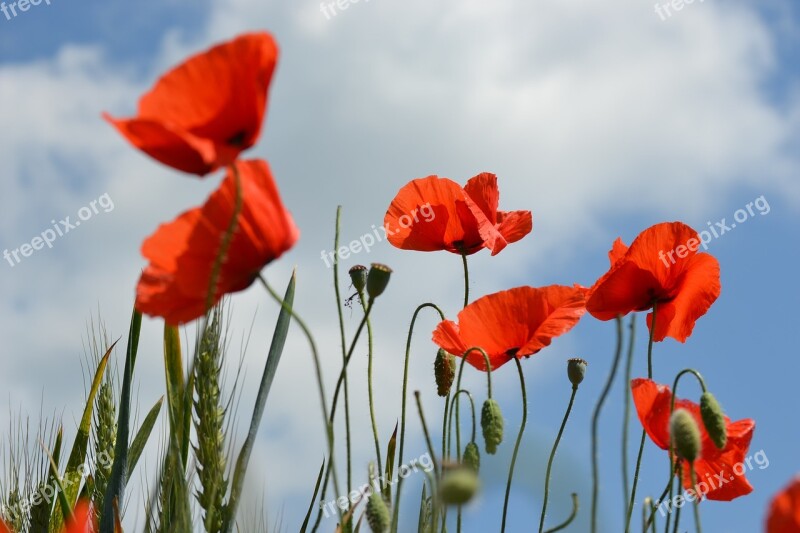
(458, 486)
(576, 370)
(444, 368)
(378, 514)
(492, 425)
(358, 275)
(685, 434)
(714, 420)
(472, 457)
(378, 279)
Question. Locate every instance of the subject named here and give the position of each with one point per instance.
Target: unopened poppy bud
(714, 420)
(472, 457)
(685, 434)
(444, 368)
(378, 279)
(358, 275)
(492, 425)
(378, 514)
(576, 370)
(458, 486)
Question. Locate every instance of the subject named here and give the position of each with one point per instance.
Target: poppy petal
(784, 510)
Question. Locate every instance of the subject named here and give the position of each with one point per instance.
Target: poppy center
(512, 352)
(237, 139)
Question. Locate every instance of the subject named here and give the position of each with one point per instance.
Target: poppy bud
(458, 486)
(713, 420)
(358, 275)
(685, 434)
(378, 279)
(378, 514)
(492, 425)
(444, 368)
(472, 457)
(576, 370)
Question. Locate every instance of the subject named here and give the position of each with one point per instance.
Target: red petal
(784, 510)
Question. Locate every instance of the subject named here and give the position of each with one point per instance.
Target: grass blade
(143, 435)
(313, 498)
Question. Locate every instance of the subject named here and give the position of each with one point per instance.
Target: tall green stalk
(516, 445)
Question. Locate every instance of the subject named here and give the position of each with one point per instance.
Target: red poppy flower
(183, 252)
(4, 528)
(720, 473)
(82, 519)
(514, 323)
(433, 213)
(784, 511)
(662, 266)
(203, 113)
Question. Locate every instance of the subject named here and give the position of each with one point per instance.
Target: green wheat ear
(209, 421)
(105, 430)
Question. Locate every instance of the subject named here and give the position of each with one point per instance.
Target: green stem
(596, 424)
(369, 386)
(466, 279)
(696, 506)
(396, 506)
(570, 518)
(429, 443)
(344, 347)
(667, 490)
(644, 433)
(320, 386)
(553, 455)
(626, 418)
(227, 239)
(516, 445)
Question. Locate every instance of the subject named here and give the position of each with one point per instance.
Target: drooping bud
(492, 425)
(576, 370)
(444, 368)
(472, 457)
(685, 434)
(714, 420)
(378, 279)
(358, 275)
(378, 514)
(458, 486)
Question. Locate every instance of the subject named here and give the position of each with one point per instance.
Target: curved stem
(596, 424)
(320, 385)
(568, 521)
(626, 418)
(553, 455)
(344, 347)
(429, 442)
(516, 445)
(632, 501)
(472, 406)
(396, 506)
(667, 490)
(458, 387)
(369, 385)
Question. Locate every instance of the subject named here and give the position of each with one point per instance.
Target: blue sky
(601, 119)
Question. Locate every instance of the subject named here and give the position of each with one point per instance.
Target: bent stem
(596, 422)
(516, 445)
(320, 385)
(570, 518)
(553, 455)
(344, 346)
(395, 511)
(644, 433)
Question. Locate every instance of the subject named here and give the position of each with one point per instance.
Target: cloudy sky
(602, 118)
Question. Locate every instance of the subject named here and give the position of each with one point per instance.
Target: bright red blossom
(644, 275)
(713, 465)
(182, 253)
(433, 213)
(82, 519)
(200, 115)
(514, 323)
(784, 511)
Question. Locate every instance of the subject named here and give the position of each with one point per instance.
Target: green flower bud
(576, 370)
(378, 514)
(378, 279)
(492, 425)
(358, 275)
(714, 420)
(444, 368)
(458, 486)
(472, 457)
(685, 434)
